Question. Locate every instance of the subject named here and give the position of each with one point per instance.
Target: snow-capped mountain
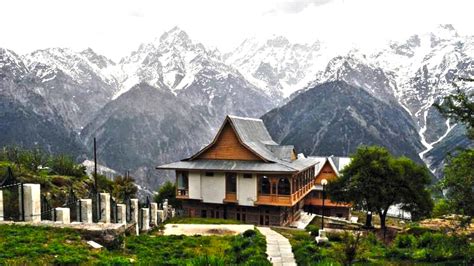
(72, 89)
(171, 60)
(278, 66)
(75, 83)
(194, 73)
(27, 119)
(424, 68)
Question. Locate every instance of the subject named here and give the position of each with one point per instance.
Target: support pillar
(121, 213)
(134, 210)
(154, 213)
(160, 216)
(145, 219)
(63, 215)
(105, 207)
(84, 211)
(1, 205)
(31, 202)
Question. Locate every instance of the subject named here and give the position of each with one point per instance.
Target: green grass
(31, 245)
(186, 220)
(407, 249)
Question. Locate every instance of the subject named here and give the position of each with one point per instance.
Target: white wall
(194, 185)
(246, 190)
(213, 188)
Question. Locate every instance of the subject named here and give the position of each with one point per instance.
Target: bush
(418, 230)
(335, 236)
(249, 233)
(441, 207)
(405, 241)
(313, 230)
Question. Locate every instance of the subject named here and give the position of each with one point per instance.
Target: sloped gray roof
(282, 152)
(254, 135)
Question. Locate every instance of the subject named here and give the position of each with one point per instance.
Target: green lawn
(30, 245)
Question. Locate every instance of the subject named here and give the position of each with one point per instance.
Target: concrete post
(173, 213)
(154, 217)
(165, 210)
(105, 207)
(121, 213)
(32, 202)
(63, 215)
(1, 205)
(160, 216)
(145, 220)
(85, 207)
(134, 210)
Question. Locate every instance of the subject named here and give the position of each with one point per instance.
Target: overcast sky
(115, 28)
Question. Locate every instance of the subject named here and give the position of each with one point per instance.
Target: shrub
(418, 230)
(441, 207)
(335, 236)
(405, 241)
(313, 230)
(249, 233)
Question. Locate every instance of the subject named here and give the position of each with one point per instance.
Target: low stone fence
(107, 210)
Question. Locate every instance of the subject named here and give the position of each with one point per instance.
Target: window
(284, 186)
(182, 183)
(247, 175)
(230, 183)
(264, 187)
(209, 174)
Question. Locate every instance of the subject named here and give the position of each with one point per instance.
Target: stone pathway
(278, 248)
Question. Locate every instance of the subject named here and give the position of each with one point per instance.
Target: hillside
(334, 118)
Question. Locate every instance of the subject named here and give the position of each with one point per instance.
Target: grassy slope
(42, 245)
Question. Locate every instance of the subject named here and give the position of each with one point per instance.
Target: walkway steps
(278, 248)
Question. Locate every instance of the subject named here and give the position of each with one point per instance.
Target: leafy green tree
(458, 179)
(65, 165)
(460, 107)
(124, 187)
(104, 184)
(459, 182)
(33, 158)
(168, 191)
(375, 180)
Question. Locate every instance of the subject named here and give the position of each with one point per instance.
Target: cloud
(136, 13)
(295, 6)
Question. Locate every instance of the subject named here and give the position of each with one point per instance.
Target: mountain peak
(175, 35)
(278, 41)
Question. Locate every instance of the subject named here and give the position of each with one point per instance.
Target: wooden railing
(327, 202)
(277, 200)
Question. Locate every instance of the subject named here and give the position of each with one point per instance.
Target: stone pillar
(105, 207)
(1, 205)
(32, 202)
(173, 213)
(160, 216)
(63, 215)
(154, 217)
(134, 211)
(145, 219)
(121, 213)
(84, 210)
(165, 210)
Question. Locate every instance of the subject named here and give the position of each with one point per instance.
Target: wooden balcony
(274, 200)
(327, 202)
(230, 197)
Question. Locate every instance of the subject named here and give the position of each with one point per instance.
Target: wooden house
(244, 175)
